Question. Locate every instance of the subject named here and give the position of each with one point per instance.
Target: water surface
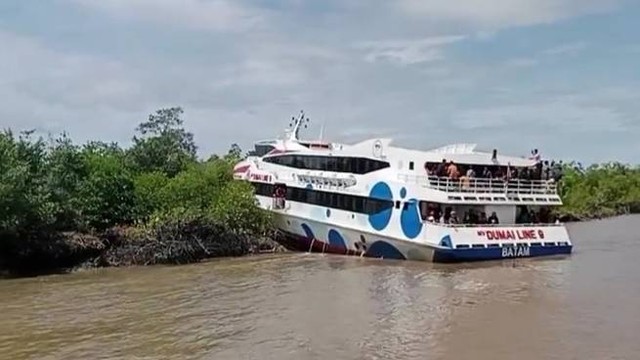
(313, 306)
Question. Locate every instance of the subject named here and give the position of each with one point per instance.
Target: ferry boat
(377, 200)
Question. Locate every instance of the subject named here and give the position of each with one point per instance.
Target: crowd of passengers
(543, 170)
(435, 214)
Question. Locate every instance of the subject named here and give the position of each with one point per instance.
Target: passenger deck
(481, 190)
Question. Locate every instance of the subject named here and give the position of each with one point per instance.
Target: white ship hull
(434, 243)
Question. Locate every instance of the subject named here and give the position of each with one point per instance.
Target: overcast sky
(560, 75)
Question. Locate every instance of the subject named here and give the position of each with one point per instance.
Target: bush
(600, 190)
(49, 189)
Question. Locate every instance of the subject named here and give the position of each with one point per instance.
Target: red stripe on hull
(300, 243)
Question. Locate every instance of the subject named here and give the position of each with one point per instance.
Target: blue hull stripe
(460, 255)
(295, 242)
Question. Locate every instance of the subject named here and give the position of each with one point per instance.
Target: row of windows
(353, 203)
(353, 165)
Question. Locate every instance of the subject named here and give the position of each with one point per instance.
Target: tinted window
(263, 189)
(358, 204)
(329, 163)
(261, 150)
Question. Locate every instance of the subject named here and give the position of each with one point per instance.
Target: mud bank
(180, 242)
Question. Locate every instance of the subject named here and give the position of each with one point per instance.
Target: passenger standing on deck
(471, 173)
(535, 155)
(486, 173)
(508, 173)
(452, 171)
(441, 170)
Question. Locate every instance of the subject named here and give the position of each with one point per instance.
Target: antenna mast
(296, 123)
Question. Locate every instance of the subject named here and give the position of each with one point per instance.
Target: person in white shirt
(535, 155)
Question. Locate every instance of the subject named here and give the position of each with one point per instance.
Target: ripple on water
(307, 306)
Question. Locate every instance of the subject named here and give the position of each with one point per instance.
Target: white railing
(483, 186)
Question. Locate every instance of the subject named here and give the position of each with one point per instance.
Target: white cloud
(247, 84)
(521, 62)
(559, 50)
(51, 92)
(407, 52)
(566, 49)
(503, 13)
(216, 15)
(562, 114)
(75, 80)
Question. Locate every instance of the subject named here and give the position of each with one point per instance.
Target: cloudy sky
(560, 75)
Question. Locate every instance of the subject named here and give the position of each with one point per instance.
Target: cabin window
(328, 163)
(424, 212)
(353, 203)
(410, 165)
(361, 166)
(430, 209)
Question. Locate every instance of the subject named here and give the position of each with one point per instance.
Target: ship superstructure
(453, 203)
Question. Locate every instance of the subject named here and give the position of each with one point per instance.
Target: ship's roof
(375, 148)
(458, 153)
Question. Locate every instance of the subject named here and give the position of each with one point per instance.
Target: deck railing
(482, 185)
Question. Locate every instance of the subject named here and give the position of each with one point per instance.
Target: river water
(313, 306)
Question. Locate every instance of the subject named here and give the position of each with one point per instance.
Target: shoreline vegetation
(65, 206)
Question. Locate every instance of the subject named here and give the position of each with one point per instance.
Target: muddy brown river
(314, 306)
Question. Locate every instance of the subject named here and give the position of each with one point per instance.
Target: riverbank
(175, 243)
(567, 215)
(64, 205)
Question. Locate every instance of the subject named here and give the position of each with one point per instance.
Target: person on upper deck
(452, 171)
(471, 173)
(509, 173)
(486, 173)
(441, 169)
(535, 155)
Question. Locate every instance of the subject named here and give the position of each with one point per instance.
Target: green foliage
(163, 144)
(235, 206)
(106, 196)
(55, 186)
(24, 199)
(600, 190)
(149, 194)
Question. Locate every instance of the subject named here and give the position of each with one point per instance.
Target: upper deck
(481, 190)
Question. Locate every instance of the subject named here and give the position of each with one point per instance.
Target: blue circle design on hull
(335, 239)
(382, 249)
(410, 219)
(403, 193)
(380, 220)
(307, 231)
